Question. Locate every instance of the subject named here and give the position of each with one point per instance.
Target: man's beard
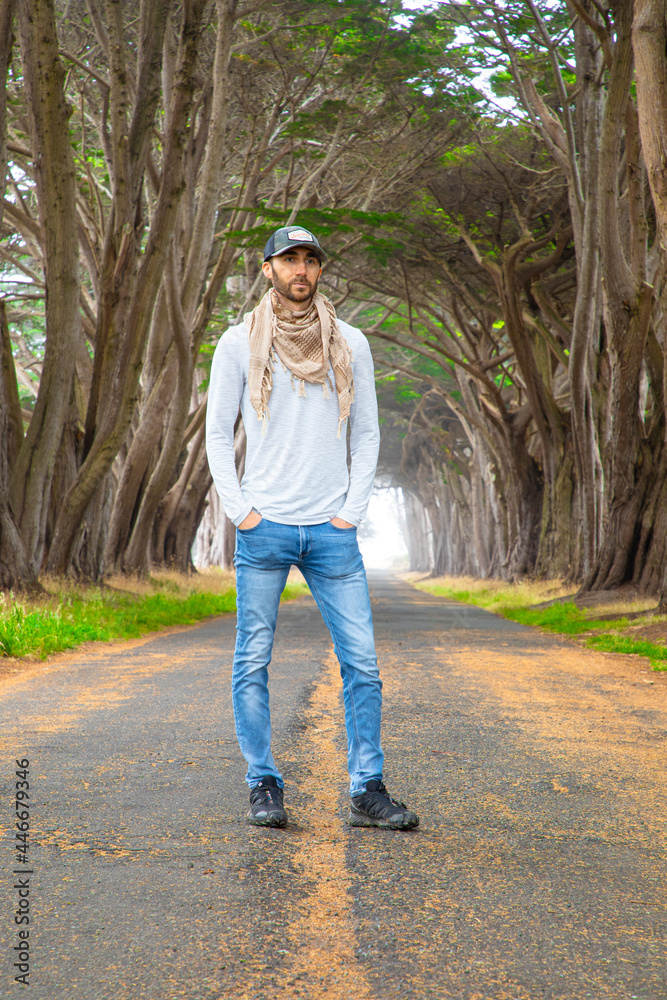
(284, 288)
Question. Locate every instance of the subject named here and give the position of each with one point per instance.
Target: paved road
(539, 869)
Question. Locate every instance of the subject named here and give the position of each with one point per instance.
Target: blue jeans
(330, 560)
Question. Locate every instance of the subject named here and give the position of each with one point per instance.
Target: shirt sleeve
(224, 398)
(364, 436)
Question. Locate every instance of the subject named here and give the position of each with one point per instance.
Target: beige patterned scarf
(305, 343)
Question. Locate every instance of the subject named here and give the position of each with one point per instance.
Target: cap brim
(318, 251)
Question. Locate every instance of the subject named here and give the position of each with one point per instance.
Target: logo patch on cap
(299, 234)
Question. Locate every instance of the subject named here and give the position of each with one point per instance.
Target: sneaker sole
(269, 820)
(407, 822)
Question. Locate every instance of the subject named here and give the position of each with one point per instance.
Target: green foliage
(326, 222)
(205, 359)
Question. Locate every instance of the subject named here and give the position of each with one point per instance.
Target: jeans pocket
(249, 531)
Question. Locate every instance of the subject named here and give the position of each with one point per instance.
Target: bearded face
(294, 275)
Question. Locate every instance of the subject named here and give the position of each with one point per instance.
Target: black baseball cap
(292, 236)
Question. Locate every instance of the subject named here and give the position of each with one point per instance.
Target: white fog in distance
(380, 536)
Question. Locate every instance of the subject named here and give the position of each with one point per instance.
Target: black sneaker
(266, 804)
(375, 807)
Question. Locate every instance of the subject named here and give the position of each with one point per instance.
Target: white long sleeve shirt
(297, 471)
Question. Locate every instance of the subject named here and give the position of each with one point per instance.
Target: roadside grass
(121, 608)
(564, 617)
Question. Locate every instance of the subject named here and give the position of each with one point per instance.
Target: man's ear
(266, 269)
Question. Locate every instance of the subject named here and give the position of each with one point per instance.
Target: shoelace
(383, 791)
(393, 801)
(272, 793)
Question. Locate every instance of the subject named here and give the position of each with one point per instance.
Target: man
(299, 374)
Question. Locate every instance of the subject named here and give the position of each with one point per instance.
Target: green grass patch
(494, 595)
(624, 644)
(514, 601)
(565, 619)
(35, 631)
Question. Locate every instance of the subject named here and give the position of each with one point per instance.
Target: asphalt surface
(538, 769)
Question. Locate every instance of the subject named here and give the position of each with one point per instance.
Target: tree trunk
(417, 532)
(628, 481)
(124, 323)
(212, 542)
(16, 573)
(628, 303)
(649, 37)
(32, 475)
(183, 509)
(557, 550)
(6, 45)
